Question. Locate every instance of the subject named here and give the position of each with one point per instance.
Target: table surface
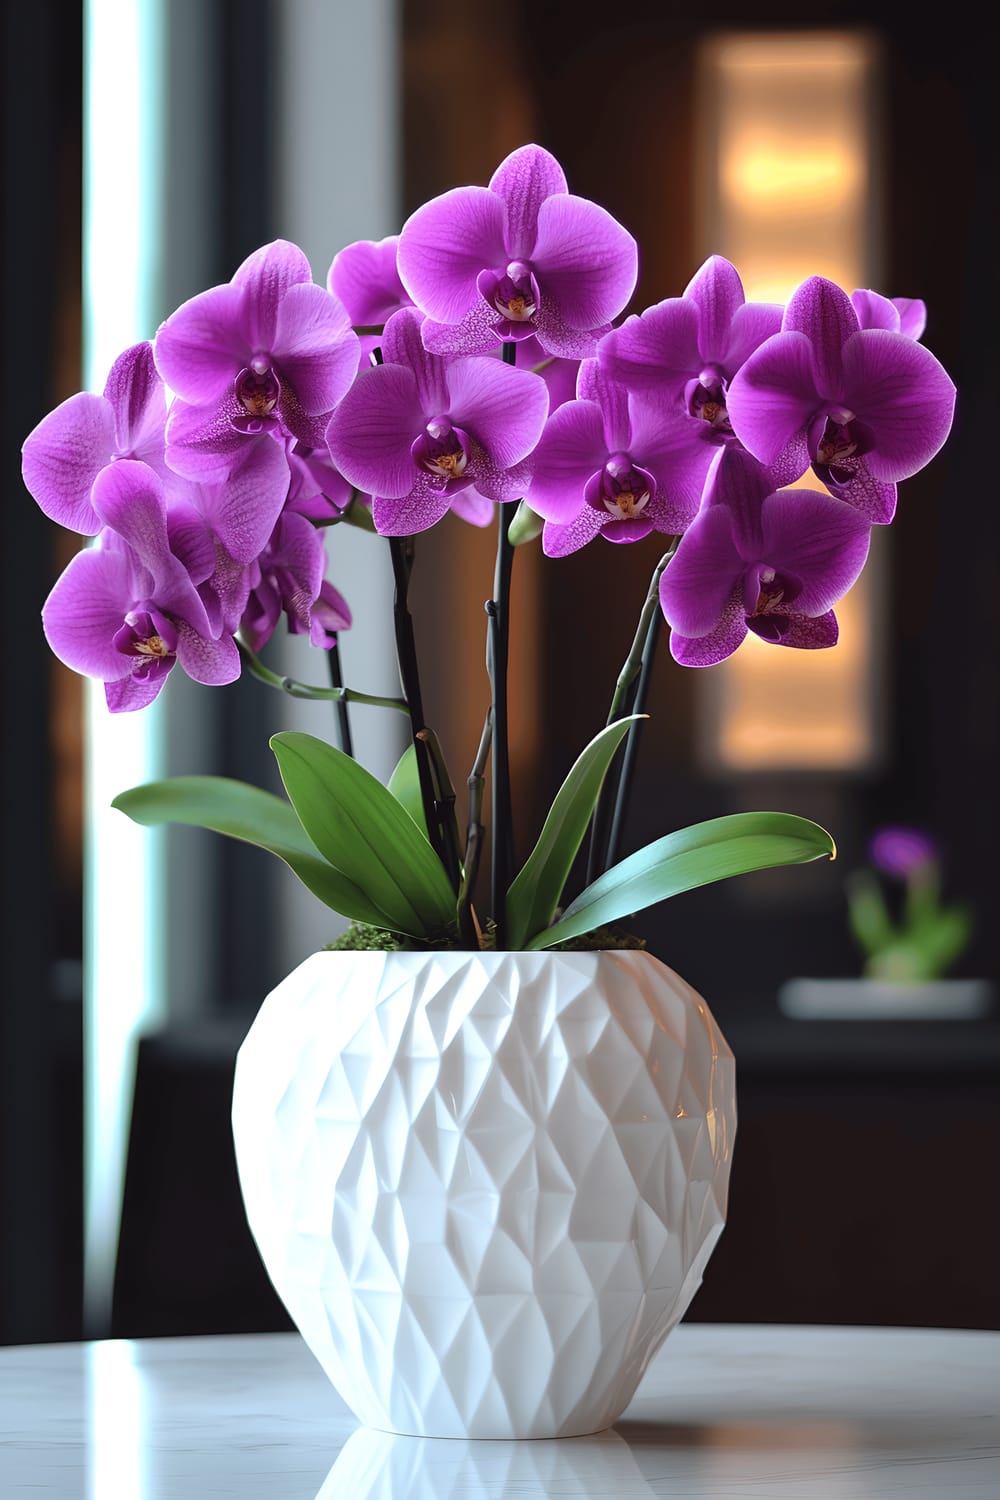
(725, 1411)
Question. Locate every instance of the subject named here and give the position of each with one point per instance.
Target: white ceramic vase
(485, 1185)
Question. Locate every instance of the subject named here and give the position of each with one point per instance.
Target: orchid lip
(621, 488)
(441, 450)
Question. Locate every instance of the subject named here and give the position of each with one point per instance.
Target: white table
(802, 1413)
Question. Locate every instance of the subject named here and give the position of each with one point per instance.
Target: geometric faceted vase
(485, 1184)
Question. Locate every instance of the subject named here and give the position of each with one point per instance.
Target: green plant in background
(923, 937)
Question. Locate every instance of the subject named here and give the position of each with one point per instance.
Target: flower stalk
(336, 693)
(497, 657)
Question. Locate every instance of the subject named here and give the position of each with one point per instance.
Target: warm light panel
(788, 189)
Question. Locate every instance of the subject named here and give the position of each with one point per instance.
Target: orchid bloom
(899, 314)
(289, 577)
(694, 344)
(267, 354)
(760, 560)
(365, 278)
(521, 257)
(419, 429)
(865, 406)
(64, 454)
(142, 599)
(616, 464)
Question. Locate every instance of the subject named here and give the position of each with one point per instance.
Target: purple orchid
(64, 454)
(760, 560)
(902, 851)
(693, 345)
(420, 429)
(616, 464)
(289, 577)
(521, 257)
(865, 406)
(899, 314)
(267, 354)
(365, 278)
(145, 597)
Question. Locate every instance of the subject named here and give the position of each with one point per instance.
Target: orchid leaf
(693, 856)
(534, 895)
(404, 784)
(256, 817)
(358, 825)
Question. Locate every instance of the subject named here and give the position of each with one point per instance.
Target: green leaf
(526, 525)
(358, 825)
(256, 817)
(404, 784)
(534, 895)
(693, 856)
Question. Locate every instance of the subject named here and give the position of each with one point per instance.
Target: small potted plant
(910, 938)
(484, 1141)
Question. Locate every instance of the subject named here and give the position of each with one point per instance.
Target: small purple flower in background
(760, 560)
(269, 353)
(141, 599)
(419, 429)
(693, 344)
(521, 257)
(865, 406)
(899, 314)
(64, 454)
(616, 464)
(900, 851)
(288, 578)
(316, 489)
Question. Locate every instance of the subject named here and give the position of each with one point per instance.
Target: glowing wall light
(788, 187)
(125, 897)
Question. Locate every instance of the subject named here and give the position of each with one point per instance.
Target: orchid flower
(267, 354)
(420, 429)
(365, 278)
(616, 464)
(760, 560)
(692, 345)
(899, 314)
(289, 577)
(142, 599)
(521, 257)
(865, 406)
(64, 454)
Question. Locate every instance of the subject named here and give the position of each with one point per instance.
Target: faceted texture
(485, 1185)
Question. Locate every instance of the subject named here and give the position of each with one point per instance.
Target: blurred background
(148, 148)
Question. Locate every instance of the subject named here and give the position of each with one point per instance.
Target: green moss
(359, 938)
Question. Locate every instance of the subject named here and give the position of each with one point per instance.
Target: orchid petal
(402, 345)
(820, 541)
(266, 277)
(476, 508)
(773, 395)
(85, 609)
(62, 457)
(365, 278)
(315, 347)
(810, 633)
(825, 314)
(717, 292)
(904, 395)
(595, 384)
(135, 393)
(503, 408)
(202, 347)
(717, 644)
(571, 449)
(524, 180)
(372, 430)
(752, 324)
(203, 444)
(211, 662)
(912, 316)
(659, 347)
(874, 310)
(561, 539)
(585, 261)
(139, 689)
(699, 580)
(443, 247)
(477, 333)
(422, 508)
(243, 510)
(738, 482)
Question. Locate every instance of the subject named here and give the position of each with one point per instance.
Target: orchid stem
(498, 649)
(401, 550)
(296, 689)
(623, 701)
(474, 836)
(626, 774)
(341, 710)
